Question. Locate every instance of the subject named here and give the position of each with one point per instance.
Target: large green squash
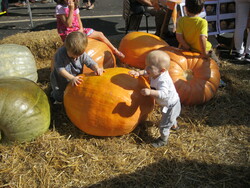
(17, 60)
(24, 110)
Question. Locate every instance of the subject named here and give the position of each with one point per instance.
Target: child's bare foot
(118, 53)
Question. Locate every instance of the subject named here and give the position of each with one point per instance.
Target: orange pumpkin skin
(196, 79)
(136, 45)
(108, 105)
(100, 53)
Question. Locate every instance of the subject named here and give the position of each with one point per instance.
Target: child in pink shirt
(68, 20)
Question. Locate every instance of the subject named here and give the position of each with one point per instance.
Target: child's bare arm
(68, 20)
(183, 44)
(80, 22)
(137, 73)
(203, 42)
(76, 80)
(98, 71)
(150, 92)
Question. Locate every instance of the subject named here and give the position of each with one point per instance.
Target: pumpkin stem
(188, 74)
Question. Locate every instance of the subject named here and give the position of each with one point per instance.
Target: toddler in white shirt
(163, 91)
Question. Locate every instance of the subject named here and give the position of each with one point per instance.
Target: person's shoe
(159, 143)
(247, 57)
(57, 102)
(175, 128)
(238, 56)
(85, 6)
(222, 83)
(91, 7)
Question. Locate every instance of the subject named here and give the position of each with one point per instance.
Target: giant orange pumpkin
(136, 45)
(196, 79)
(100, 53)
(108, 105)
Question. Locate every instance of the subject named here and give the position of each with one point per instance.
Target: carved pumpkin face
(136, 45)
(108, 105)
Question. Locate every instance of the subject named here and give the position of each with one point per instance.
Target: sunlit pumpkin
(196, 79)
(100, 53)
(24, 110)
(17, 60)
(108, 105)
(136, 45)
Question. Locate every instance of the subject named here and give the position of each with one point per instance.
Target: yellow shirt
(191, 28)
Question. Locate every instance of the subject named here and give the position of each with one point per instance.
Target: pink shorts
(88, 31)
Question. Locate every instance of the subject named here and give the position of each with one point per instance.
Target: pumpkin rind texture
(17, 61)
(100, 53)
(196, 79)
(108, 105)
(136, 45)
(24, 110)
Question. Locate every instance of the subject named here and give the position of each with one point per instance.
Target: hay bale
(42, 44)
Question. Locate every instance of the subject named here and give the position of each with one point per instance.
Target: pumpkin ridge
(26, 110)
(31, 107)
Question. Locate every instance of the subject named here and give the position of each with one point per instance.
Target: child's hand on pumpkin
(145, 92)
(134, 73)
(76, 80)
(99, 71)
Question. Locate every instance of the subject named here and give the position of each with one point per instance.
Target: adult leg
(91, 4)
(159, 19)
(86, 4)
(241, 23)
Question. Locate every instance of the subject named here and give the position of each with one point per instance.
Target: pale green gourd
(17, 60)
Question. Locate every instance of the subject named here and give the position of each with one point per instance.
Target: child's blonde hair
(76, 43)
(159, 59)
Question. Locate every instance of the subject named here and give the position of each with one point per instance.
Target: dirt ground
(211, 149)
